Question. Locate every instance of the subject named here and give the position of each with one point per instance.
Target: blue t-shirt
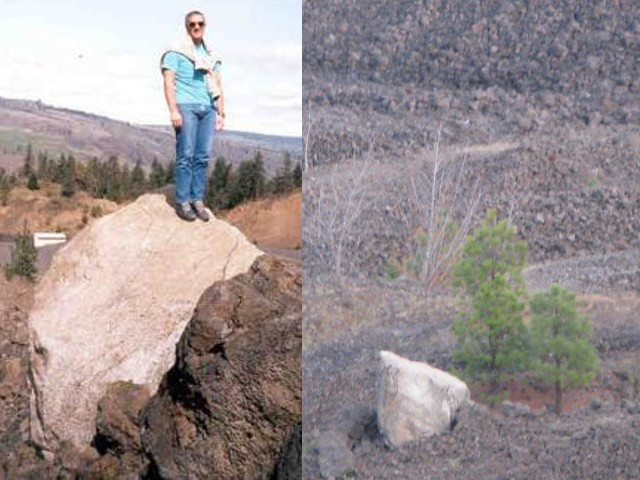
(190, 83)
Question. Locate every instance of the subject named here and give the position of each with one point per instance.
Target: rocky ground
(596, 437)
(540, 102)
(117, 451)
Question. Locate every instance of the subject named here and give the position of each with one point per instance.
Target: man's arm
(170, 96)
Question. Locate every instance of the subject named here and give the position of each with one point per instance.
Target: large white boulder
(415, 399)
(113, 305)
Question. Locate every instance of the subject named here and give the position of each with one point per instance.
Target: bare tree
(439, 198)
(331, 210)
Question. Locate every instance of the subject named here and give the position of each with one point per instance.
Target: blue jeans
(193, 148)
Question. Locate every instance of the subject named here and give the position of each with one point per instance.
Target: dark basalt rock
(227, 407)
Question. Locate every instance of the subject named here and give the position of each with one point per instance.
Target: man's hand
(219, 122)
(176, 119)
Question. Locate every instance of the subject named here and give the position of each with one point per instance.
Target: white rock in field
(415, 399)
(113, 305)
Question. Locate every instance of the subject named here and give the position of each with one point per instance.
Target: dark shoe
(184, 212)
(201, 211)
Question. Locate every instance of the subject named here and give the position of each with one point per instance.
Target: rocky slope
(595, 438)
(540, 102)
(543, 97)
(235, 384)
(499, 68)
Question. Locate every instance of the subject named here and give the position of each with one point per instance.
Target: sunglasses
(193, 24)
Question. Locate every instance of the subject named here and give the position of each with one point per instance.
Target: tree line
(228, 185)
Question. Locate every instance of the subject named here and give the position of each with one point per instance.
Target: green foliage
(494, 249)
(561, 340)
(392, 269)
(217, 197)
(158, 176)
(115, 181)
(5, 188)
(170, 171)
(138, 183)
(249, 181)
(23, 257)
(27, 168)
(283, 181)
(490, 331)
(349, 474)
(69, 179)
(43, 164)
(32, 183)
(297, 175)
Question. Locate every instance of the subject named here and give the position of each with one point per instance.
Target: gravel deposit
(540, 100)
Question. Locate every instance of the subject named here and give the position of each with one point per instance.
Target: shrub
(23, 257)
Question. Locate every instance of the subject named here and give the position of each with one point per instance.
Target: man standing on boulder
(193, 90)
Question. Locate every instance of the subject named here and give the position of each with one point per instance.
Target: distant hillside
(59, 130)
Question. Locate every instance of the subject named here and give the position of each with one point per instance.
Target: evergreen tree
(283, 182)
(170, 172)
(32, 183)
(138, 180)
(92, 179)
(124, 184)
(158, 176)
(13, 180)
(297, 175)
(490, 331)
(218, 185)
(60, 170)
(68, 173)
(249, 182)
(23, 257)
(112, 175)
(5, 188)
(42, 166)
(561, 340)
(27, 167)
(258, 176)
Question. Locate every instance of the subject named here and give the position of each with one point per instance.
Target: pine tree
(561, 340)
(112, 177)
(68, 180)
(92, 179)
(490, 331)
(124, 184)
(218, 185)
(297, 175)
(61, 169)
(170, 172)
(158, 175)
(27, 167)
(42, 165)
(32, 183)
(138, 180)
(23, 257)
(5, 188)
(283, 182)
(249, 181)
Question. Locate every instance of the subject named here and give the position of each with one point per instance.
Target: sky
(103, 57)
